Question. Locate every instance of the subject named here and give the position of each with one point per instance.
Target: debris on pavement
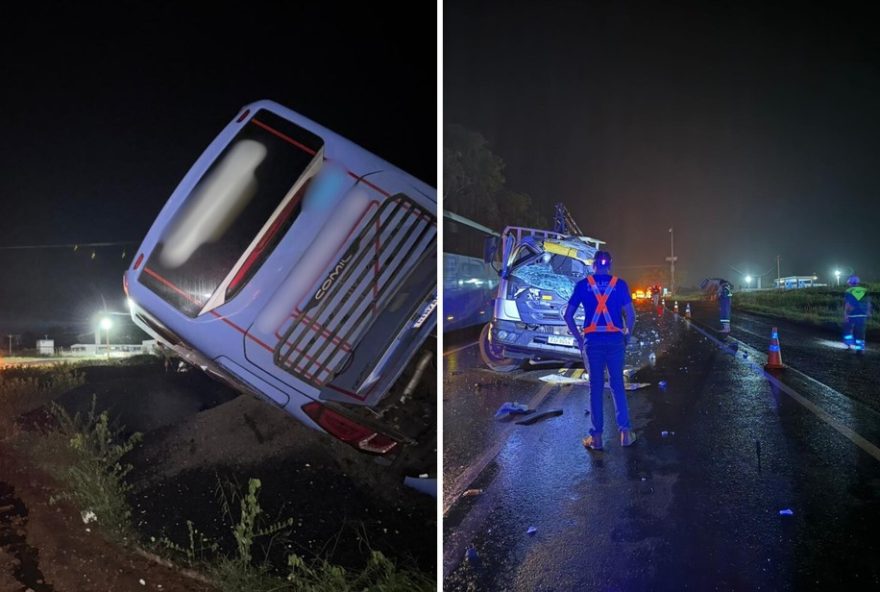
(786, 512)
(88, 516)
(422, 485)
(509, 408)
(472, 493)
(531, 531)
(662, 384)
(567, 376)
(666, 434)
(471, 554)
(540, 417)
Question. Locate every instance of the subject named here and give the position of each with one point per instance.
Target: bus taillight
(354, 434)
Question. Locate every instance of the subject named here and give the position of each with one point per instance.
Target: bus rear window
(268, 162)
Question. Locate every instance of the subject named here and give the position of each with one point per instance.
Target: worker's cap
(853, 280)
(602, 259)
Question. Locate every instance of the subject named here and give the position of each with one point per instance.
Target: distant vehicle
(538, 272)
(295, 265)
(469, 283)
(640, 295)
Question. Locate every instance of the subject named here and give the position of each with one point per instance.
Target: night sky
(754, 131)
(105, 107)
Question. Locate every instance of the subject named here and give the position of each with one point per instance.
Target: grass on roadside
(25, 388)
(85, 454)
(816, 306)
(239, 572)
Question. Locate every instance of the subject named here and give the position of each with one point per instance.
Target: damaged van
(538, 270)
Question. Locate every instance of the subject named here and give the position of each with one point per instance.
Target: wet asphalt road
(818, 352)
(697, 510)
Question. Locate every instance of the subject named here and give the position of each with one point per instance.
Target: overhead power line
(67, 245)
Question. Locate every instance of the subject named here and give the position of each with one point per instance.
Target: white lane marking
(841, 428)
(458, 349)
(473, 470)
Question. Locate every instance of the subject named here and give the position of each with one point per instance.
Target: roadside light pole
(106, 323)
(778, 274)
(672, 258)
(837, 275)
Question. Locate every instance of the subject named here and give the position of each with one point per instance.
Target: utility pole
(778, 275)
(10, 345)
(672, 258)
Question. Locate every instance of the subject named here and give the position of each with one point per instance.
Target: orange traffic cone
(687, 310)
(675, 308)
(774, 356)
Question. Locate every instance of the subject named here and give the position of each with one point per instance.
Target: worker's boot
(593, 442)
(627, 437)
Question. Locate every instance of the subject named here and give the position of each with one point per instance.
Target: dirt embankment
(46, 547)
(196, 434)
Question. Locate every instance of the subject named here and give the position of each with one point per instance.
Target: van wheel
(492, 354)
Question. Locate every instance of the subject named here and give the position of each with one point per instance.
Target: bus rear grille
(316, 341)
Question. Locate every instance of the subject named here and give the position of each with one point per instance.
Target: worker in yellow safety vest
(856, 309)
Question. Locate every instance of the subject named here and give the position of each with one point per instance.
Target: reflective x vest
(601, 308)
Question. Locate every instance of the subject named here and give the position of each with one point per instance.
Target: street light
(837, 275)
(749, 281)
(106, 323)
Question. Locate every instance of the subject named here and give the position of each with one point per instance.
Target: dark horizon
(749, 129)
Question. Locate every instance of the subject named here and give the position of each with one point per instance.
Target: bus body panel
(469, 283)
(232, 329)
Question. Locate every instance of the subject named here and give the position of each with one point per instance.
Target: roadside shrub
(90, 450)
(241, 573)
(818, 306)
(24, 388)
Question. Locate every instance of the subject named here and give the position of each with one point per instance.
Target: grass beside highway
(821, 307)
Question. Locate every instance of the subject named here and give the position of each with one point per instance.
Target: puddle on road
(13, 519)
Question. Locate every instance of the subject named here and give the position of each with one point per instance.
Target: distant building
(45, 347)
(794, 282)
(116, 349)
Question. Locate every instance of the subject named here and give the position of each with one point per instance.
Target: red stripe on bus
(312, 152)
(287, 138)
(168, 284)
(351, 394)
(261, 246)
(344, 345)
(369, 184)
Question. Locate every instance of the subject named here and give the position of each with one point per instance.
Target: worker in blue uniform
(725, 292)
(856, 309)
(606, 300)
